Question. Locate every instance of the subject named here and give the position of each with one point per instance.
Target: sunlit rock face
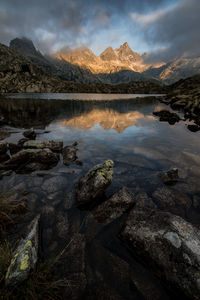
(109, 61)
(107, 119)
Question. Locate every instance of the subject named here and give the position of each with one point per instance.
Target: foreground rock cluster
(30, 155)
(167, 244)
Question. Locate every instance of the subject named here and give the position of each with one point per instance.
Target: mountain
(112, 66)
(19, 75)
(109, 61)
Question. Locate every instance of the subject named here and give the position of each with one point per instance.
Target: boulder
(94, 183)
(169, 245)
(143, 200)
(55, 146)
(115, 206)
(69, 155)
(28, 160)
(30, 134)
(193, 128)
(25, 256)
(169, 177)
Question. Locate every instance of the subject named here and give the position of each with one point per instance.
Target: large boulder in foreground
(94, 183)
(167, 243)
(25, 256)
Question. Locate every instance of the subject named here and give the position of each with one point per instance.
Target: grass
(9, 209)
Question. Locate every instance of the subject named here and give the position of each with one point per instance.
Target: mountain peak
(23, 46)
(108, 54)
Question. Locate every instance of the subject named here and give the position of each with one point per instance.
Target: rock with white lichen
(94, 183)
(169, 245)
(25, 256)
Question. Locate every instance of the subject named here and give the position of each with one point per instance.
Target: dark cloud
(178, 30)
(79, 22)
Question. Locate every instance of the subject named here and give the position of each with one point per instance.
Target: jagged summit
(108, 54)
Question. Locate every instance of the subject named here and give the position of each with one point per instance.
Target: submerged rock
(25, 256)
(167, 243)
(169, 177)
(94, 183)
(55, 146)
(69, 154)
(30, 134)
(115, 206)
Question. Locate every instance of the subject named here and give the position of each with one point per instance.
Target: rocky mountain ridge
(20, 75)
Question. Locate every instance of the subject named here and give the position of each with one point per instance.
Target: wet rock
(69, 155)
(3, 147)
(79, 163)
(196, 201)
(42, 159)
(48, 212)
(68, 200)
(167, 116)
(14, 148)
(22, 141)
(170, 177)
(167, 243)
(55, 146)
(25, 256)
(143, 200)
(5, 173)
(30, 134)
(62, 225)
(94, 183)
(114, 207)
(193, 128)
(54, 184)
(171, 200)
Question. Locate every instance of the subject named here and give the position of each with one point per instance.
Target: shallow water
(140, 146)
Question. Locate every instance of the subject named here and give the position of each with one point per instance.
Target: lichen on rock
(25, 256)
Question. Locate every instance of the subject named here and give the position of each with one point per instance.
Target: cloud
(177, 30)
(152, 17)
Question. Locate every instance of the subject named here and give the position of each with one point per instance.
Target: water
(140, 146)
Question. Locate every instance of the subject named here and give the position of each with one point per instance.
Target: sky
(164, 29)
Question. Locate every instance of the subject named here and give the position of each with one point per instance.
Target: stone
(3, 147)
(69, 155)
(114, 207)
(167, 116)
(42, 159)
(143, 200)
(169, 177)
(4, 157)
(25, 256)
(193, 128)
(30, 134)
(94, 183)
(167, 243)
(55, 146)
(62, 225)
(54, 184)
(171, 200)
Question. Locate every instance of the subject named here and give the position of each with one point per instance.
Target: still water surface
(125, 131)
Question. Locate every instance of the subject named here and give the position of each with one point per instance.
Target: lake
(124, 130)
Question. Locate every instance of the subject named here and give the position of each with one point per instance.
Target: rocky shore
(152, 228)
